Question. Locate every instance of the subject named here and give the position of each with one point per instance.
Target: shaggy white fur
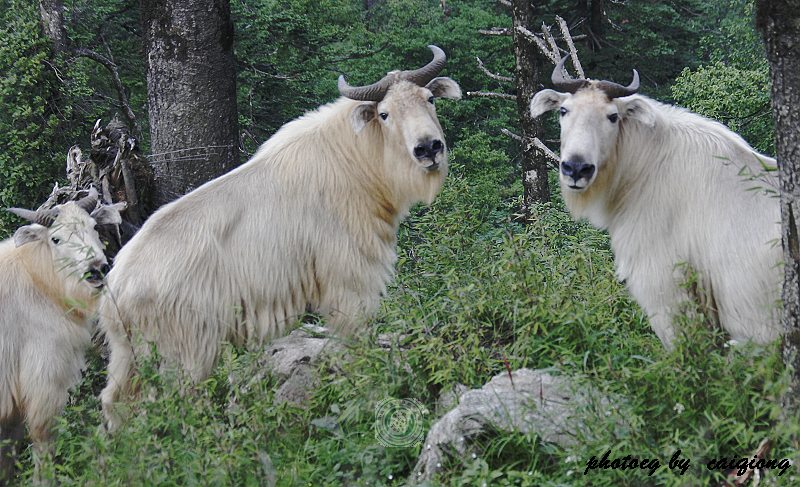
(44, 325)
(308, 224)
(673, 187)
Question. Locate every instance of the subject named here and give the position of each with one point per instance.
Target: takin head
(590, 114)
(69, 231)
(402, 104)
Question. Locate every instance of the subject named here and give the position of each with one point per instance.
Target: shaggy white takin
(672, 187)
(308, 224)
(50, 273)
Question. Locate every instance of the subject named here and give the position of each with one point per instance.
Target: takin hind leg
(41, 433)
(12, 436)
(120, 372)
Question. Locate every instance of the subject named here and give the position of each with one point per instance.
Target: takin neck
(681, 156)
(360, 185)
(71, 295)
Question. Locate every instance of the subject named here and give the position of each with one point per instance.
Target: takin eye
(563, 111)
(383, 115)
(613, 118)
(55, 240)
(432, 100)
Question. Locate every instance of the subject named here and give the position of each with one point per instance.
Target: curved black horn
(614, 90)
(88, 202)
(563, 83)
(374, 92)
(426, 73)
(42, 217)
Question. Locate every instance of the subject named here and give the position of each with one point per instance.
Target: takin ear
(363, 114)
(635, 108)
(29, 233)
(109, 214)
(444, 88)
(546, 100)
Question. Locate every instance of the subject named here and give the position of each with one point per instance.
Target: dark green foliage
(292, 66)
(475, 286)
(737, 97)
(288, 53)
(733, 87)
(48, 105)
(29, 162)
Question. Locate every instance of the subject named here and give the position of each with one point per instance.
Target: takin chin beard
(434, 179)
(572, 186)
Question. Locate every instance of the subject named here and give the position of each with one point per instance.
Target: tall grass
(474, 288)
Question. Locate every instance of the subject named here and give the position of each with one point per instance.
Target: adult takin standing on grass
(672, 187)
(308, 224)
(50, 275)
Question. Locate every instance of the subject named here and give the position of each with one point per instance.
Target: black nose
(98, 273)
(428, 149)
(577, 169)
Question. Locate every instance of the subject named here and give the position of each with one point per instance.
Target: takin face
(590, 114)
(402, 104)
(69, 231)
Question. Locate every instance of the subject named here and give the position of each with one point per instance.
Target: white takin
(308, 224)
(50, 274)
(672, 187)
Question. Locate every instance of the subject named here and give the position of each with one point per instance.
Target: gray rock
(556, 408)
(293, 360)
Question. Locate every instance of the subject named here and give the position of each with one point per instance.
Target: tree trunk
(596, 25)
(51, 13)
(191, 91)
(527, 73)
(779, 22)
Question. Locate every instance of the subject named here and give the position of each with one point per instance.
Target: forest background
(484, 278)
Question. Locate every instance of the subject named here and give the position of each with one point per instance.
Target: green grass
(474, 288)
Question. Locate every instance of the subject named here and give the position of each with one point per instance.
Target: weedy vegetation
(476, 286)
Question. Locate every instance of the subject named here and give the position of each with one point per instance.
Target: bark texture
(51, 13)
(527, 74)
(779, 22)
(191, 86)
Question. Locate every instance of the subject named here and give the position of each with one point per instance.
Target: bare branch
(548, 36)
(511, 134)
(505, 3)
(491, 94)
(536, 143)
(118, 86)
(539, 43)
(125, 146)
(573, 53)
(488, 73)
(545, 150)
(496, 31)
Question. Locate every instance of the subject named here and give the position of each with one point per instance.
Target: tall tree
(527, 74)
(779, 22)
(191, 86)
(52, 16)
(593, 11)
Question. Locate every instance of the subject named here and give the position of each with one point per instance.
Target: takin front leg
(349, 311)
(46, 400)
(659, 294)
